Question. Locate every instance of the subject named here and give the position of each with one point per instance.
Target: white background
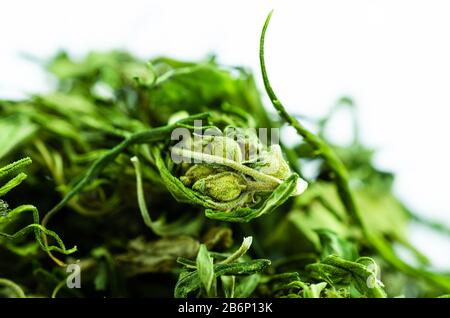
(392, 57)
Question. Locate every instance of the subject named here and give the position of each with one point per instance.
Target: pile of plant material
(92, 178)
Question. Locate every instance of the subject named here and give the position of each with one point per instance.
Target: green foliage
(206, 272)
(105, 176)
(7, 217)
(337, 272)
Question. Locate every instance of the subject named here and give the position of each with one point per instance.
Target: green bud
(197, 172)
(224, 186)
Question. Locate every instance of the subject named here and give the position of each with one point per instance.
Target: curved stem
(58, 288)
(342, 181)
(207, 158)
(341, 175)
(141, 199)
(17, 289)
(39, 231)
(150, 135)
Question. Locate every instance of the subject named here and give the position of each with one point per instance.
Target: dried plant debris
(110, 179)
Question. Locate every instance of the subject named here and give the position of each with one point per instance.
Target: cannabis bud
(224, 186)
(232, 169)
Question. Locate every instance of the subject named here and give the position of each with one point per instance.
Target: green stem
(11, 184)
(342, 180)
(14, 166)
(58, 288)
(141, 199)
(38, 229)
(257, 186)
(16, 288)
(320, 147)
(151, 135)
(228, 163)
(245, 246)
